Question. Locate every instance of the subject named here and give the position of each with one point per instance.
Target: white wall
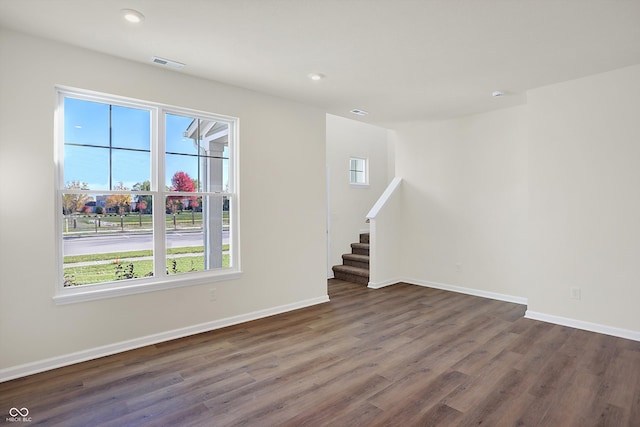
(585, 199)
(465, 201)
(349, 204)
(533, 201)
(282, 199)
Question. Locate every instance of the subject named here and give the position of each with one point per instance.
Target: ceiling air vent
(359, 112)
(167, 62)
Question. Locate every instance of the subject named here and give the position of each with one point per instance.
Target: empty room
(320, 212)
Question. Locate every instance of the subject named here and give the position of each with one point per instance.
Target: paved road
(130, 242)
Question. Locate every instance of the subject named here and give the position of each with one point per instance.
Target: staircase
(355, 266)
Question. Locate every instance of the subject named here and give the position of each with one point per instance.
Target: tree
(119, 202)
(143, 200)
(181, 181)
(141, 205)
(194, 204)
(73, 202)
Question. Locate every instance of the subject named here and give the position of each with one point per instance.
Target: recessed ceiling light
(359, 112)
(132, 15)
(316, 77)
(497, 93)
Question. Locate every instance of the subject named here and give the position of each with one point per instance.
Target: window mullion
(157, 173)
(110, 147)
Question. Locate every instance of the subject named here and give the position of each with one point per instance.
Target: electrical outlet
(212, 294)
(575, 293)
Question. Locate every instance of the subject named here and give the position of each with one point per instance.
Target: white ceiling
(398, 59)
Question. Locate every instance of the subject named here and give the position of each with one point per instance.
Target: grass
(72, 259)
(107, 263)
(102, 273)
(81, 223)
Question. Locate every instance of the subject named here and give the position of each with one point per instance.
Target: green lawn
(102, 273)
(107, 269)
(71, 259)
(133, 222)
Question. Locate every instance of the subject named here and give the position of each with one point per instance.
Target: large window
(146, 196)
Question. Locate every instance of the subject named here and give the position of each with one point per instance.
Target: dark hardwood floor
(399, 356)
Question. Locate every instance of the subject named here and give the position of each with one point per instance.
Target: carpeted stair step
(354, 260)
(355, 266)
(352, 274)
(360, 248)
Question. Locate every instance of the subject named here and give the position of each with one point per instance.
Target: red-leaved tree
(181, 181)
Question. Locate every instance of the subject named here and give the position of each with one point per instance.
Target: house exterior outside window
(146, 196)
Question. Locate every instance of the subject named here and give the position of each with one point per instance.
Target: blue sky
(87, 123)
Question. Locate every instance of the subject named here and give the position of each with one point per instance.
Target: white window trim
(365, 184)
(81, 293)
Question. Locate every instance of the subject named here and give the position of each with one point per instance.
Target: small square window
(358, 171)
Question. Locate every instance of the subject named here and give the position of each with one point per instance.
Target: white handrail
(382, 200)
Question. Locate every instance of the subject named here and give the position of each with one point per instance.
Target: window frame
(72, 294)
(365, 162)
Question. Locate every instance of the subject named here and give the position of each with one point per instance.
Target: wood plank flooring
(399, 356)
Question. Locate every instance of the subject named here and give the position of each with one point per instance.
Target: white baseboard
(587, 326)
(533, 315)
(467, 291)
(378, 285)
(94, 353)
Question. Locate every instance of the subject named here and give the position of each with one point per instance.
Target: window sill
(84, 293)
(354, 185)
